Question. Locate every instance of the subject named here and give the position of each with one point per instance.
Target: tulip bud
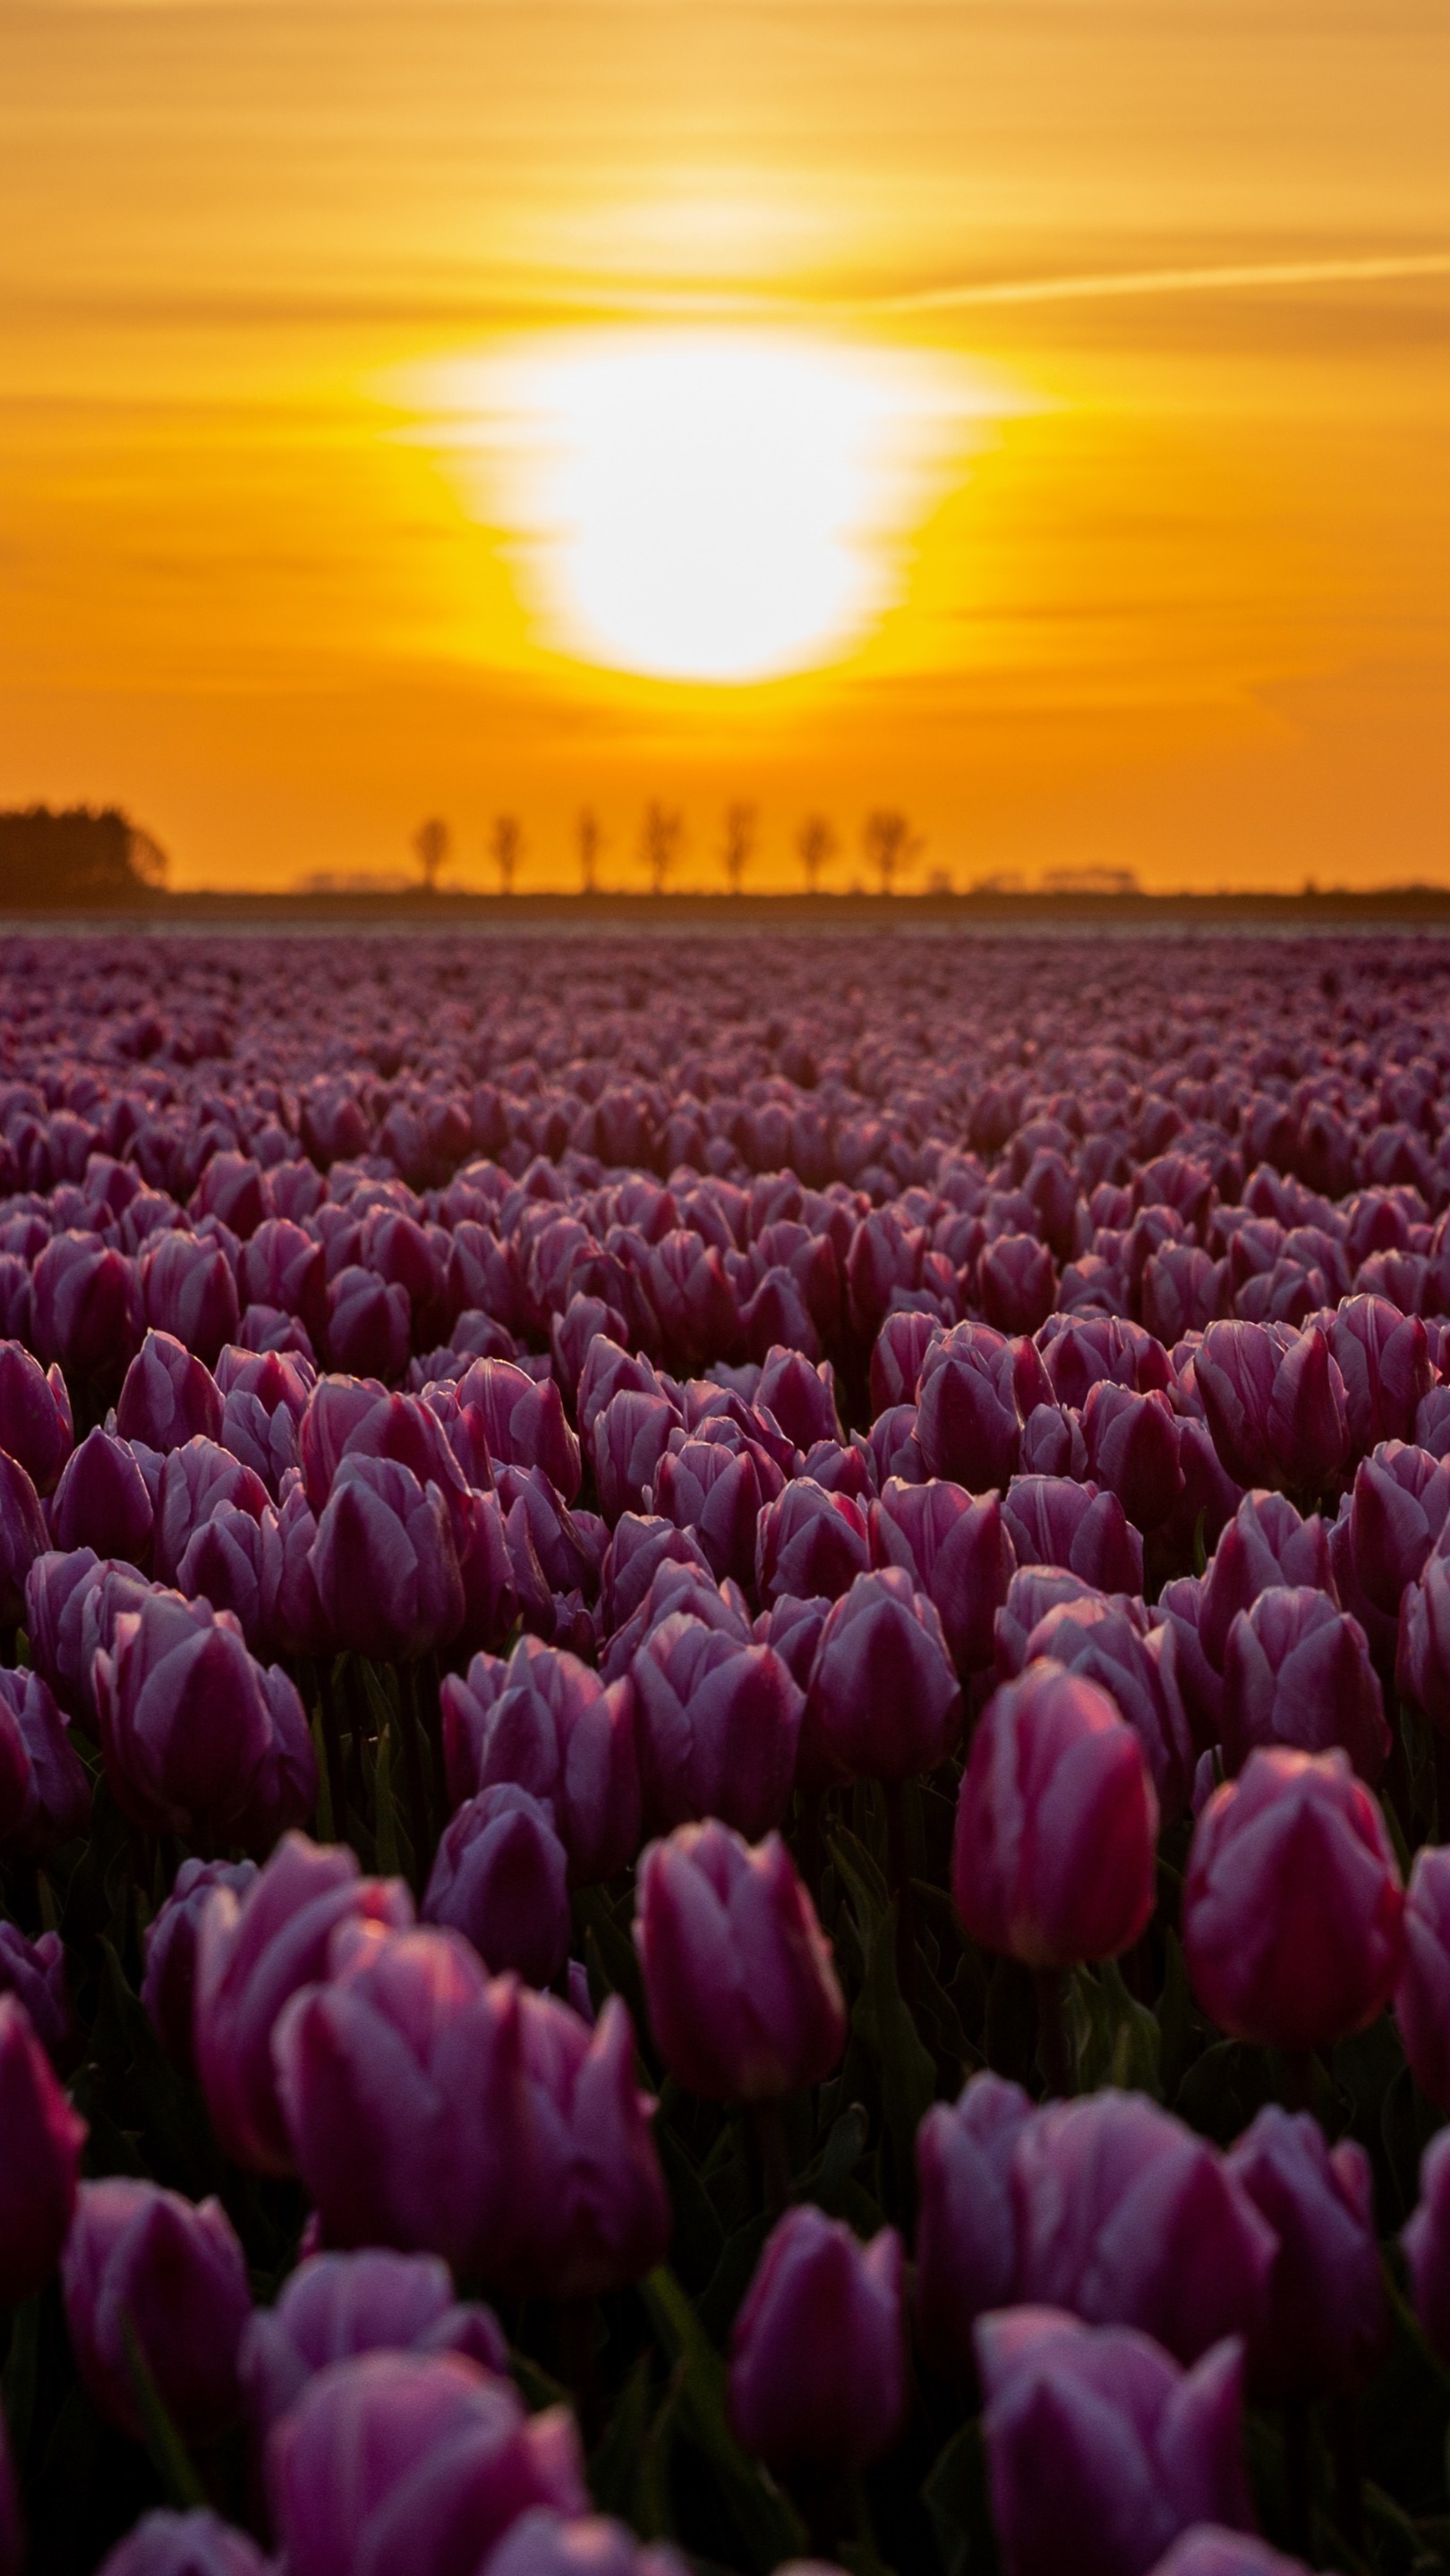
(1132, 1449)
(388, 1579)
(22, 1536)
(197, 1738)
(1384, 1361)
(168, 1396)
(1296, 1671)
(36, 1428)
(1052, 1521)
(544, 1720)
(717, 1725)
(1396, 1515)
(743, 1997)
(195, 1480)
(401, 2079)
(544, 2544)
(1293, 1912)
(818, 2355)
(255, 1947)
(452, 2457)
(35, 1973)
(335, 1408)
(956, 1550)
(1100, 2447)
(501, 1878)
(1054, 1855)
(1123, 2215)
(591, 2197)
(43, 2139)
(1426, 2241)
(45, 1792)
(976, 1390)
(189, 1291)
(185, 2544)
(169, 1985)
(1266, 1544)
(717, 1492)
(1106, 1643)
(1275, 1404)
(900, 1347)
(87, 1310)
(283, 1266)
(102, 1501)
(966, 2227)
(524, 1422)
(1325, 2323)
(801, 1395)
(809, 1543)
(369, 1324)
(1207, 2549)
(225, 1564)
(1422, 1997)
(1017, 1283)
(143, 2263)
(884, 1701)
(336, 2306)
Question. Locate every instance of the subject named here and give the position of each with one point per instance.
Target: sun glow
(702, 505)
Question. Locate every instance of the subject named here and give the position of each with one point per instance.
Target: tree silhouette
(740, 821)
(431, 844)
(590, 837)
(506, 842)
(663, 832)
(889, 842)
(816, 846)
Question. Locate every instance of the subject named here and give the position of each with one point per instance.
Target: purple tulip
(45, 1793)
(1293, 1911)
(1106, 1643)
(545, 2544)
(189, 1290)
(197, 1738)
(87, 1310)
(402, 2085)
(43, 2140)
(282, 1265)
(335, 1409)
(718, 1721)
(545, 1721)
(185, 2544)
(501, 1878)
(1396, 1516)
(1101, 2448)
(966, 2226)
(36, 1428)
(388, 1578)
(1079, 1352)
(1052, 1521)
(255, 1947)
(900, 1347)
(629, 1438)
(640, 1544)
(1132, 1449)
(1017, 1283)
(1054, 1854)
(1127, 2218)
(1053, 1445)
(884, 1702)
(1426, 2241)
(265, 1395)
(168, 1396)
(102, 1501)
(818, 2352)
(802, 1396)
(452, 2461)
(34, 1972)
(717, 1492)
(892, 1448)
(743, 1997)
(369, 1324)
(1296, 1671)
(143, 2263)
(809, 1543)
(337, 2306)
(1275, 1404)
(523, 1421)
(195, 1481)
(1325, 2324)
(957, 1551)
(289, 1611)
(168, 1988)
(1384, 1361)
(1265, 1544)
(1422, 1658)
(1422, 1997)
(225, 1564)
(976, 1390)
(595, 2211)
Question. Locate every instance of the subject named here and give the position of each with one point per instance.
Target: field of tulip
(724, 1757)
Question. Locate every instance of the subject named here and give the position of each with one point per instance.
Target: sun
(708, 505)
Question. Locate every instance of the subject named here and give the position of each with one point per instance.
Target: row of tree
(888, 845)
(78, 858)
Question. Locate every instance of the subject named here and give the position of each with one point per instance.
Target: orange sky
(1175, 595)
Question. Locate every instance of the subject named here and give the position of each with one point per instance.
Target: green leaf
(325, 1828)
(955, 2496)
(1122, 2038)
(1175, 2008)
(906, 2070)
(699, 2238)
(614, 2468)
(20, 2370)
(169, 2455)
(766, 2522)
(389, 1862)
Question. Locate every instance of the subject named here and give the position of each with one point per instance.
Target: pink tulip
(743, 1997)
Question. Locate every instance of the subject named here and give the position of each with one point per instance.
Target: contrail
(1111, 283)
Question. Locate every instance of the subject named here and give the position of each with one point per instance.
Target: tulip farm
(724, 1755)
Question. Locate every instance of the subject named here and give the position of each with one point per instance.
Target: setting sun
(700, 505)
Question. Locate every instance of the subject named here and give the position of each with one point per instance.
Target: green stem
(1053, 2051)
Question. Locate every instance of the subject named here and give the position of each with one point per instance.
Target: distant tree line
(889, 845)
(77, 858)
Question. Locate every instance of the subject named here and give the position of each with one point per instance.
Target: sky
(1030, 415)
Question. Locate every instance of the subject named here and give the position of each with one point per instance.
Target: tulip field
(724, 1756)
